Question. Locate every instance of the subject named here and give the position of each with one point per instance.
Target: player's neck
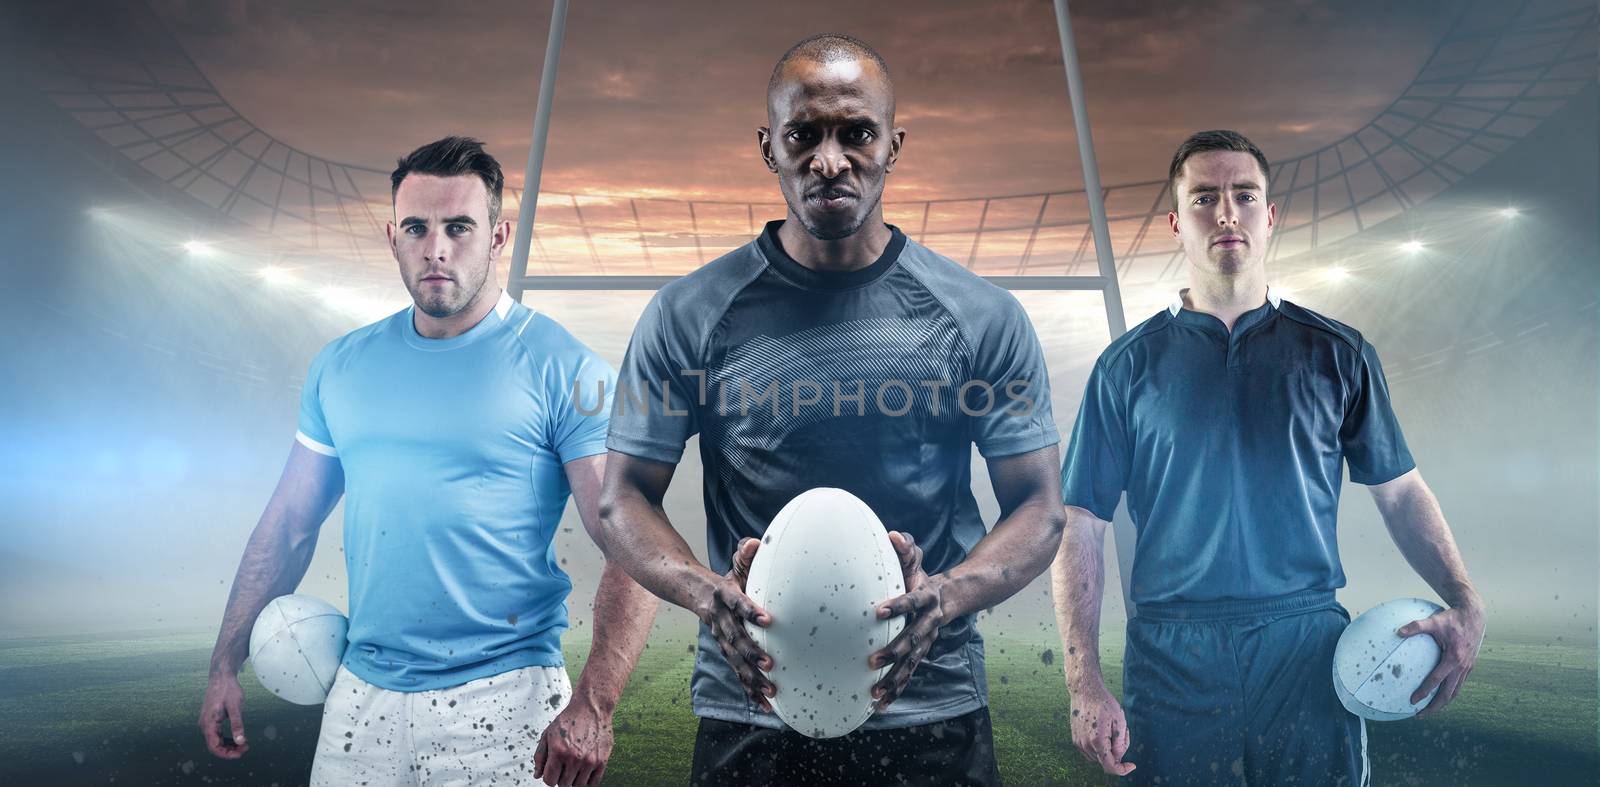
(1225, 297)
(430, 327)
(850, 253)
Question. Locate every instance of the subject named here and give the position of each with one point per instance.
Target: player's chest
(901, 347)
(433, 409)
(1212, 392)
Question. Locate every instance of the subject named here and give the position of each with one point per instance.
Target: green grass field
(121, 710)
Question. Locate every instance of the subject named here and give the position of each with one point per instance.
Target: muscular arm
(640, 538)
(1019, 548)
(275, 559)
(574, 749)
(279, 550)
(1417, 526)
(623, 611)
(1003, 562)
(1077, 587)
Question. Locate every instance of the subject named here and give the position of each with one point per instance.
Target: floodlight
(275, 275)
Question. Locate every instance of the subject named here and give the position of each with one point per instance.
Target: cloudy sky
(156, 393)
(664, 98)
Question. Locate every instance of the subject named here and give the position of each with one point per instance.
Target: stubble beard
(440, 305)
(824, 234)
(1231, 262)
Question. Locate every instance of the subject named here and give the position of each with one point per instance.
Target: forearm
(275, 560)
(623, 612)
(1419, 530)
(1017, 550)
(641, 541)
(1077, 585)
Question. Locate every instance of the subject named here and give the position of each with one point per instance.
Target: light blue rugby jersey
(452, 452)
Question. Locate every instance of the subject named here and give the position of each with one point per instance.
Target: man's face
(831, 143)
(442, 238)
(1223, 220)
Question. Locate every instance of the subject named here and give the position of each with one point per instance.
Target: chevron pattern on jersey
(872, 351)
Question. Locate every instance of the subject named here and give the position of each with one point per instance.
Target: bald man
(887, 362)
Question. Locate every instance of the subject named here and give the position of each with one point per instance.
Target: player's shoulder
(1321, 324)
(534, 328)
(541, 335)
(346, 349)
(979, 307)
(371, 332)
(689, 305)
(715, 282)
(1123, 346)
(957, 287)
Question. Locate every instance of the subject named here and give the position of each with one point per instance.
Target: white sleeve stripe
(321, 448)
(1366, 765)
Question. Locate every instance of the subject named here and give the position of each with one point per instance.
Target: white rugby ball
(824, 565)
(296, 646)
(1375, 670)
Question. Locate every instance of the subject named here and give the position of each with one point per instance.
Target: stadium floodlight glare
(1411, 246)
(197, 248)
(98, 213)
(1335, 274)
(275, 275)
(352, 303)
(1509, 213)
(341, 299)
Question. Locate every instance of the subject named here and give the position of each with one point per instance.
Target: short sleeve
(1096, 468)
(585, 411)
(312, 430)
(1010, 362)
(658, 388)
(1370, 436)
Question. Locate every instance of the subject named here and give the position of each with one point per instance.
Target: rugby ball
(296, 646)
(824, 565)
(1375, 670)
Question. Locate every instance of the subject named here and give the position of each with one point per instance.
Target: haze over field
(150, 396)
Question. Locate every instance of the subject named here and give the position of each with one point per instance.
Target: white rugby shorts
(480, 732)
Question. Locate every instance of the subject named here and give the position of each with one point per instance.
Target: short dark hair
(449, 157)
(826, 48)
(1204, 141)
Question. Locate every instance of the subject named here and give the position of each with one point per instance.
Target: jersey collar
(1177, 301)
(495, 318)
(791, 270)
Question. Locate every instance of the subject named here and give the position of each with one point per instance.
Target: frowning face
(831, 142)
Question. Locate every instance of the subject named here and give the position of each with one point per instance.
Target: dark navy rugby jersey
(1230, 448)
(877, 381)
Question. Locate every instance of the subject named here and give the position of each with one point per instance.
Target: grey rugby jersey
(877, 381)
